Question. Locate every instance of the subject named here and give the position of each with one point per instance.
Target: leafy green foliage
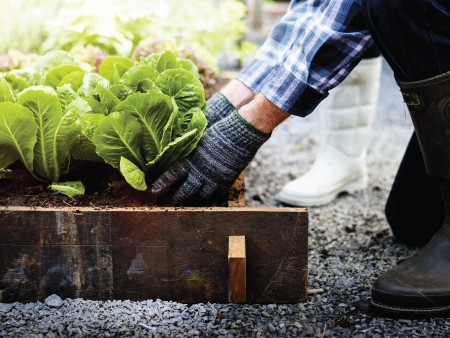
(71, 189)
(120, 27)
(139, 117)
(160, 121)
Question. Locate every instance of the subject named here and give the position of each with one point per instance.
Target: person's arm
(262, 114)
(279, 41)
(327, 45)
(223, 153)
(327, 48)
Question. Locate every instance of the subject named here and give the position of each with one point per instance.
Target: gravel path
(350, 245)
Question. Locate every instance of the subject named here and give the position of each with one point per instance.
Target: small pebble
(53, 301)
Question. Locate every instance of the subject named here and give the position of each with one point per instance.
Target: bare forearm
(237, 93)
(263, 114)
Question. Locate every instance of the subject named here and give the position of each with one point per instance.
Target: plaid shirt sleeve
(310, 51)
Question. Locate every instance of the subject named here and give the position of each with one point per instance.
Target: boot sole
(349, 188)
(410, 311)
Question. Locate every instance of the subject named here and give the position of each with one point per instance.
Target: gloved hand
(210, 170)
(218, 107)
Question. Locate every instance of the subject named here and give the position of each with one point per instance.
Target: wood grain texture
(237, 278)
(177, 254)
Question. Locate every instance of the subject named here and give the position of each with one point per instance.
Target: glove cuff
(218, 107)
(236, 133)
(249, 126)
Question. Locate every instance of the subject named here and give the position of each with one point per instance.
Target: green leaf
(198, 121)
(54, 59)
(66, 96)
(7, 156)
(18, 133)
(56, 75)
(182, 145)
(96, 106)
(118, 135)
(121, 91)
(132, 174)
(139, 78)
(80, 105)
(57, 132)
(184, 87)
(89, 123)
(85, 148)
(70, 189)
(109, 68)
(167, 60)
(90, 83)
(6, 93)
(108, 99)
(66, 136)
(172, 152)
(153, 111)
(74, 79)
(5, 174)
(189, 66)
(16, 81)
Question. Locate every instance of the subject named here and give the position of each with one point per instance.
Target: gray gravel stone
(53, 301)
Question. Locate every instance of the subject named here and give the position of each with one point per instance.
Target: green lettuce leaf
(184, 87)
(140, 78)
(66, 96)
(54, 59)
(54, 77)
(70, 189)
(113, 67)
(6, 93)
(74, 79)
(85, 147)
(107, 98)
(89, 86)
(56, 134)
(182, 145)
(132, 174)
(118, 135)
(17, 134)
(153, 111)
(5, 174)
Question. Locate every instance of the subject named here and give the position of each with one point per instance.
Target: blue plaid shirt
(310, 51)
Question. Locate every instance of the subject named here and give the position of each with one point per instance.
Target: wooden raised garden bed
(178, 254)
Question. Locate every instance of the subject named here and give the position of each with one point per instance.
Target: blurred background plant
(203, 30)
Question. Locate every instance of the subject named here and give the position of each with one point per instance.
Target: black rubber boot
(421, 284)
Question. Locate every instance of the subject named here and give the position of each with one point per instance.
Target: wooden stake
(237, 279)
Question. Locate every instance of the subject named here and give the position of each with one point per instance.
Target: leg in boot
(413, 189)
(346, 117)
(420, 285)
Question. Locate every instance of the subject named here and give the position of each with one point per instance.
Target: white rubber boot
(346, 117)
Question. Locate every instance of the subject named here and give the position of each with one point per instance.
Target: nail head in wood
(237, 279)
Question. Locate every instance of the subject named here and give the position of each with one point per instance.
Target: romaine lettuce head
(139, 117)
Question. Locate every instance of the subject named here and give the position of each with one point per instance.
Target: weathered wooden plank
(177, 254)
(237, 278)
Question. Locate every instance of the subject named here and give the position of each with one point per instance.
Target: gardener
(414, 38)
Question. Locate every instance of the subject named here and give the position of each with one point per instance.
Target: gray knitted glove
(208, 173)
(218, 107)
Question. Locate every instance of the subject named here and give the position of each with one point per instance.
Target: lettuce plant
(153, 114)
(139, 117)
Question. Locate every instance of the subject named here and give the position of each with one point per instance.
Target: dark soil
(104, 188)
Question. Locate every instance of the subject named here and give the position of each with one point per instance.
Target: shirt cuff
(254, 74)
(290, 93)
